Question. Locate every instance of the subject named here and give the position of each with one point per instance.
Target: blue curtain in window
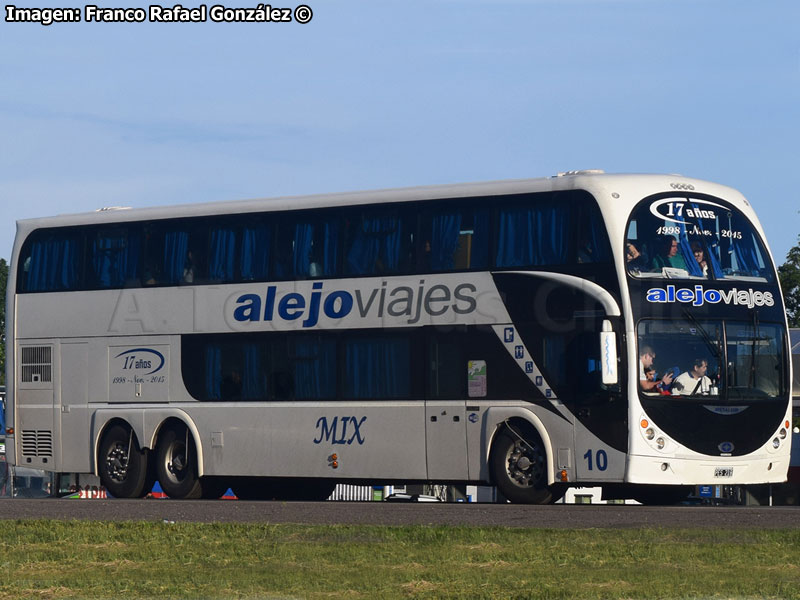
(256, 242)
(254, 384)
(176, 246)
(315, 249)
(303, 245)
(223, 251)
(53, 265)
(377, 368)
(747, 254)
(713, 244)
(213, 374)
(598, 237)
(444, 240)
(376, 247)
(115, 259)
(330, 249)
(552, 228)
(480, 240)
(685, 248)
(314, 368)
(535, 235)
(745, 249)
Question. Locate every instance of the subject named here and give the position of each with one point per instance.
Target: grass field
(53, 559)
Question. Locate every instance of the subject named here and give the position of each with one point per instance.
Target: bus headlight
(782, 433)
(776, 443)
(650, 434)
(660, 443)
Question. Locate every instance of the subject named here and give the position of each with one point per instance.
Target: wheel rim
(176, 463)
(524, 464)
(117, 462)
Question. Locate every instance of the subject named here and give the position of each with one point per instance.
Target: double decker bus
(623, 331)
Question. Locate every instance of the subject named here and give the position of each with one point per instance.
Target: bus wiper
(752, 377)
(706, 337)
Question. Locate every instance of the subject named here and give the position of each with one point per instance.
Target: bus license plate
(723, 472)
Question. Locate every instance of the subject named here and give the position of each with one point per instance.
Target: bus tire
(176, 464)
(122, 464)
(519, 466)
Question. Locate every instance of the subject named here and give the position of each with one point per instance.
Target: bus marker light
(335, 464)
(564, 475)
(9, 431)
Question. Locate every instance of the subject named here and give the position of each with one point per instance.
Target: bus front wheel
(519, 465)
(122, 464)
(176, 464)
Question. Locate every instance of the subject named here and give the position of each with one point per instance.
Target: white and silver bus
(623, 331)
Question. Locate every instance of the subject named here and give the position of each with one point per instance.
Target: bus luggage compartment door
(446, 438)
(34, 406)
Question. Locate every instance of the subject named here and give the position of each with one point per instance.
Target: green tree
(789, 274)
(3, 282)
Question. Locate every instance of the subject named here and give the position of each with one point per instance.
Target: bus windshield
(731, 361)
(692, 238)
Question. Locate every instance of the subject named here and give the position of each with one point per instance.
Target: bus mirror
(608, 354)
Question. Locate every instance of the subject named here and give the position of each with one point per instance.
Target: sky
(382, 94)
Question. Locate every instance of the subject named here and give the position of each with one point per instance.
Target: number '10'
(600, 460)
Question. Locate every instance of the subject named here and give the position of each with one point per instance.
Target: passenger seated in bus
(585, 251)
(188, 268)
(232, 386)
(669, 256)
(699, 256)
(646, 357)
(693, 382)
(635, 260)
(650, 375)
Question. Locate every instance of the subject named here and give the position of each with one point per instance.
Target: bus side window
(308, 248)
(52, 263)
(532, 234)
(379, 243)
(454, 239)
(113, 258)
(175, 254)
(593, 244)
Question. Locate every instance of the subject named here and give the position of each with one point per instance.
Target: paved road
(383, 513)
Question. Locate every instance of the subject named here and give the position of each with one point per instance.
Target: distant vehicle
(494, 333)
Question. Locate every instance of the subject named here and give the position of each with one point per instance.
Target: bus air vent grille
(37, 364)
(37, 442)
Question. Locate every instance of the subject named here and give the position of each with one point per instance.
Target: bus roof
(637, 186)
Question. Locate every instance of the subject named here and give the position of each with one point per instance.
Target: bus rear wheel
(176, 464)
(122, 464)
(519, 466)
